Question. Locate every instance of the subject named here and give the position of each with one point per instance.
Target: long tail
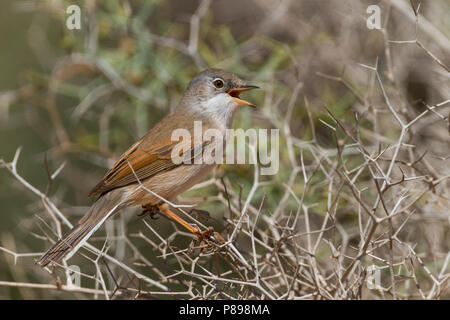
(104, 207)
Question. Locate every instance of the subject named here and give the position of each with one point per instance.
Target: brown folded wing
(146, 159)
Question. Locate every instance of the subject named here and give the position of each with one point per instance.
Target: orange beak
(234, 93)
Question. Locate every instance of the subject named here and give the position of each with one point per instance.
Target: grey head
(214, 91)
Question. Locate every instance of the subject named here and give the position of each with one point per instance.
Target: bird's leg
(164, 208)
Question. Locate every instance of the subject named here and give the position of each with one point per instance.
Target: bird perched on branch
(146, 174)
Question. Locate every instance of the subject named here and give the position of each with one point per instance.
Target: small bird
(146, 174)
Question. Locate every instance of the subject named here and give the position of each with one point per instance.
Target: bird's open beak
(234, 93)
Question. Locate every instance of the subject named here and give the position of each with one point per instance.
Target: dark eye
(218, 83)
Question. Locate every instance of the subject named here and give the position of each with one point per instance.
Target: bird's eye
(218, 83)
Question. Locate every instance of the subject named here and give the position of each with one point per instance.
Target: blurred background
(79, 98)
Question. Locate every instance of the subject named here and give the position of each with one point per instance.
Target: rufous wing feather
(146, 160)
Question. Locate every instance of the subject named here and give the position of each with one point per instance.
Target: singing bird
(146, 174)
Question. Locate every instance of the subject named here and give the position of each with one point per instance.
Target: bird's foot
(211, 236)
(151, 211)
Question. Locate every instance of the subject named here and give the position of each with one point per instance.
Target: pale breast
(168, 184)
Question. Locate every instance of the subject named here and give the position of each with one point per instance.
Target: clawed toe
(210, 235)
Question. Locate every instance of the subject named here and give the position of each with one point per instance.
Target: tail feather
(104, 207)
(62, 246)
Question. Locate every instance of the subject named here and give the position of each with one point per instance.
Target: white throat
(220, 108)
